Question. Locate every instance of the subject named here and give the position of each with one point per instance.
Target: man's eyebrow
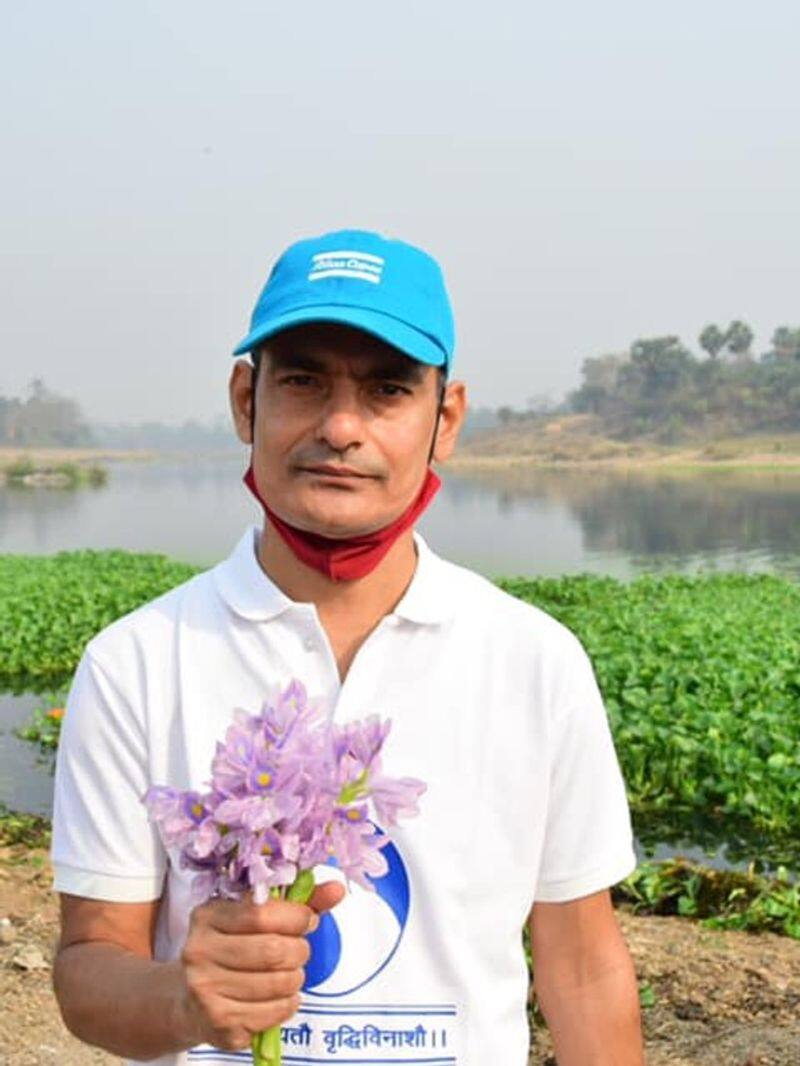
(398, 369)
(408, 370)
(294, 360)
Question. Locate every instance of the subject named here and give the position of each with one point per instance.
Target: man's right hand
(243, 962)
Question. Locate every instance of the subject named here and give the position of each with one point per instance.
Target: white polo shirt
(494, 704)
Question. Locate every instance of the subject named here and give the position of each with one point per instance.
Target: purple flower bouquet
(288, 791)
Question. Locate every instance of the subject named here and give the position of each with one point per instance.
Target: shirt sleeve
(103, 844)
(588, 842)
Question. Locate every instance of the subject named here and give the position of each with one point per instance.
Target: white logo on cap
(346, 265)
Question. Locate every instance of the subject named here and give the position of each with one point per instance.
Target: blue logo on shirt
(356, 939)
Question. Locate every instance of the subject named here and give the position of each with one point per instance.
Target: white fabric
(494, 704)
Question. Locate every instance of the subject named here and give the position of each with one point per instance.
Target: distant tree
(588, 399)
(786, 342)
(600, 379)
(9, 409)
(660, 364)
(45, 418)
(505, 415)
(712, 340)
(603, 370)
(739, 337)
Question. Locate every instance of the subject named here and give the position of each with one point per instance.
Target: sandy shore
(592, 453)
(689, 460)
(47, 456)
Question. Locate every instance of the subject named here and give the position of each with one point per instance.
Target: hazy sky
(586, 173)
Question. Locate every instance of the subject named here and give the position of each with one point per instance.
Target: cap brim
(410, 341)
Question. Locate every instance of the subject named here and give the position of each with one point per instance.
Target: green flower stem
(266, 1045)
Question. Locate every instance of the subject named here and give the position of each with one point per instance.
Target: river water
(548, 522)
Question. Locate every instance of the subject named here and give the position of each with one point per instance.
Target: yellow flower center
(264, 778)
(197, 809)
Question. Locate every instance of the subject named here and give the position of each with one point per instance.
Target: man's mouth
(327, 470)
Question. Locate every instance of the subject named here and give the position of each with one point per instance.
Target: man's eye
(297, 379)
(390, 389)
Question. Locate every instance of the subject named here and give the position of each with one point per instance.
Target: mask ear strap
(438, 415)
(253, 384)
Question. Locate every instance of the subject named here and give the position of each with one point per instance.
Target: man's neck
(363, 601)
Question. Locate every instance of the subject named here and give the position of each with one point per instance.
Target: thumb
(324, 897)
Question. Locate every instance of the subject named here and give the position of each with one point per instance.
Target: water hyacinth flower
(289, 790)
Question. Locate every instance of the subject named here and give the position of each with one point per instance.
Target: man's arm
(240, 972)
(107, 984)
(585, 982)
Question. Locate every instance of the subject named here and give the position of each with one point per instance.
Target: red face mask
(350, 557)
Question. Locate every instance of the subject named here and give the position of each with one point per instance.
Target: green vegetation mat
(700, 676)
(701, 679)
(52, 605)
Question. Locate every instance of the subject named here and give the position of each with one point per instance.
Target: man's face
(343, 427)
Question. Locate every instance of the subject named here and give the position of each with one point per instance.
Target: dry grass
(577, 440)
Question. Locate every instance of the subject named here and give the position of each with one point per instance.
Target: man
(494, 705)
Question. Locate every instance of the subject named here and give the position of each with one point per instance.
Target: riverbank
(578, 441)
(57, 468)
(572, 440)
(709, 997)
(45, 457)
(73, 467)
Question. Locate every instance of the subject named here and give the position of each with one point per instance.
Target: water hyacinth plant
(289, 789)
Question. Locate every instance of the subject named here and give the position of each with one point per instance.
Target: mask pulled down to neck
(346, 558)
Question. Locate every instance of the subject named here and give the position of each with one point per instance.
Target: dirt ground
(720, 998)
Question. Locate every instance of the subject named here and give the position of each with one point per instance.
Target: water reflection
(517, 521)
(26, 782)
(189, 506)
(656, 521)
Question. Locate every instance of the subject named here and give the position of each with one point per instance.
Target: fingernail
(313, 923)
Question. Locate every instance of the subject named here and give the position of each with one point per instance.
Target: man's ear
(240, 389)
(454, 409)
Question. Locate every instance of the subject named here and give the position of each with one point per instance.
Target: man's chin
(338, 526)
(341, 529)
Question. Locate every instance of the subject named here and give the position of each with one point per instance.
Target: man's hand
(243, 964)
(239, 973)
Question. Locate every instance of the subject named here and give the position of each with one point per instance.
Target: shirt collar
(249, 592)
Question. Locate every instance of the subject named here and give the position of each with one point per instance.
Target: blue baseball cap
(379, 284)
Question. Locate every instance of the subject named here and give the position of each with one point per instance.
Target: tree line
(46, 419)
(659, 388)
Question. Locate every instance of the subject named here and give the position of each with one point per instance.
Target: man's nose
(341, 423)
